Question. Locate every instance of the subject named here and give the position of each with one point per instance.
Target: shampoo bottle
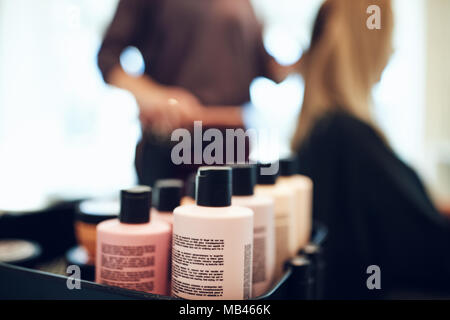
(212, 242)
(285, 236)
(133, 251)
(303, 189)
(244, 180)
(166, 197)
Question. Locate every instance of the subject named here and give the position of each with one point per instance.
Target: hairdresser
(200, 58)
(377, 209)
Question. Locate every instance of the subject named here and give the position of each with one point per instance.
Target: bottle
(212, 242)
(133, 251)
(314, 253)
(189, 190)
(166, 197)
(244, 180)
(300, 285)
(283, 197)
(303, 189)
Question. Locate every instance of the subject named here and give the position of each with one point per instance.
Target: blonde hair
(344, 61)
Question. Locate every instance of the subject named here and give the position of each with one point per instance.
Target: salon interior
(118, 174)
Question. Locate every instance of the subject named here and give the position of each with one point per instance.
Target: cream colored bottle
(285, 236)
(212, 242)
(133, 251)
(244, 180)
(303, 189)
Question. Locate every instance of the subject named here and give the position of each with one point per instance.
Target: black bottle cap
(213, 187)
(244, 179)
(167, 194)
(288, 166)
(135, 205)
(265, 179)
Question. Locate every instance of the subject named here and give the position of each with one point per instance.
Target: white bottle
(303, 189)
(244, 180)
(212, 242)
(285, 231)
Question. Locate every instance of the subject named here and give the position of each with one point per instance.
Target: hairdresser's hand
(167, 108)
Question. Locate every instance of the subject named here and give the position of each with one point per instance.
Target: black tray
(25, 283)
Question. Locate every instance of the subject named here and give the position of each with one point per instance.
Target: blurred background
(65, 134)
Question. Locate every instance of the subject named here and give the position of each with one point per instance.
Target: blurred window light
(276, 107)
(132, 61)
(281, 45)
(65, 133)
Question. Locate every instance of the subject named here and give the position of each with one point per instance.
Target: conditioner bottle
(133, 251)
(166, 197)
(244, 180)
(285, 236)
(212, 242)
(303, 189)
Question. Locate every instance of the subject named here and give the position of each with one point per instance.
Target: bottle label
(130, 267)
(281, 242)
(247, 270)
(259, 255)
(198, 266)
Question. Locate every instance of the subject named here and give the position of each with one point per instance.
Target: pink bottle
(244, 180)
(166, 197)
(132, 251)
(212, 242)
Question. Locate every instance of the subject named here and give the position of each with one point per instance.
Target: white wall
(437, 132)
(64, 131)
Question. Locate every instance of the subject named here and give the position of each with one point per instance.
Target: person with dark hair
(200, 58)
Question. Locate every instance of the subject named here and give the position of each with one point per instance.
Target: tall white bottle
(244, 180)
(303, 189)
(212, 242)
(285, 231)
